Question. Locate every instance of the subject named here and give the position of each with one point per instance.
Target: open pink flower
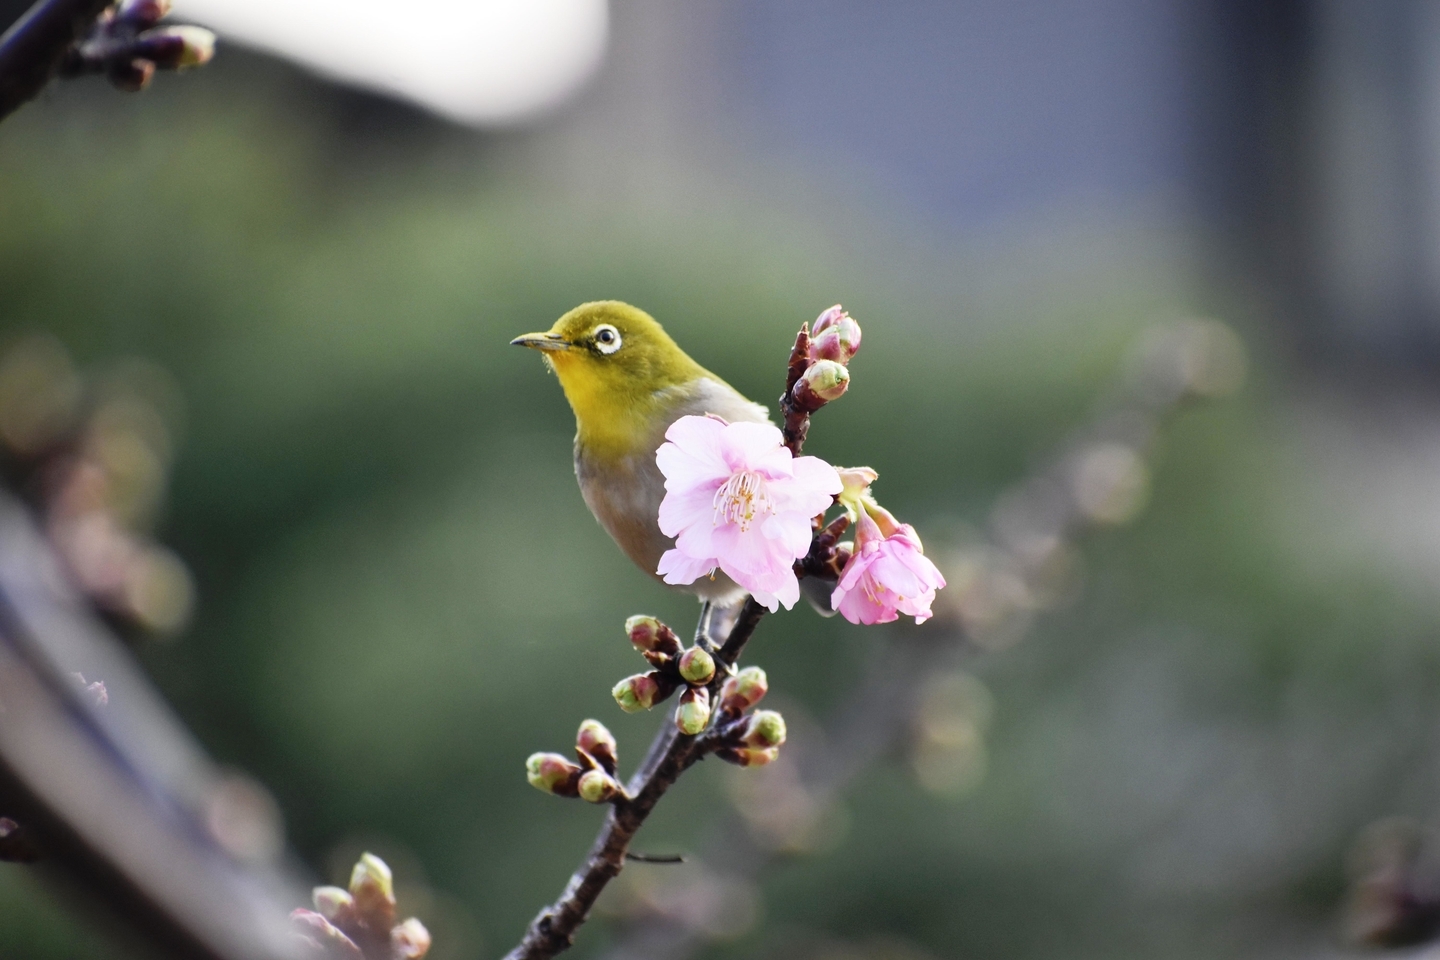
(736, 499)
(887, 575)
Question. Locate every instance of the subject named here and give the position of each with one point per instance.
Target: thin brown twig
(671, 753)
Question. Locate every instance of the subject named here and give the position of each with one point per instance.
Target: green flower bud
(410, 940)
(745, 757)
(597, 786)
(694, 712)
(743, 691)
(823, 381)
(374, 891)
(651, 636)
(764, 729)
(332, 902)
(552, 773)
(697, 666)
(599, 743)
(636, 693)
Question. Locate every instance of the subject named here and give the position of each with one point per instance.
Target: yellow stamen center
(742, 499)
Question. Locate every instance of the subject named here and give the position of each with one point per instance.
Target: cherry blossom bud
(827, 319)
(552, 773)
(652, 636)
(694, 712)
(743, 757)
(825, 380)
(143, 12)
(332, 902)
(410, 940)
(763, 729)
(323, 935)
(177, 48)
(597, 786)
(639, 692)
(132, 75)
(743, 691)
(598, 742)
(374, 891)
(697, 666)
(836, 337)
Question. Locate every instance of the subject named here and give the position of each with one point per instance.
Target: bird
(627, 381)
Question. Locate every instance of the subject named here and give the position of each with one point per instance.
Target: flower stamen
(741, 499)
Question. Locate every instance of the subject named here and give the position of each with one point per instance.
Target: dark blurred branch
(70, 38)
(33, 48)
(121, 800)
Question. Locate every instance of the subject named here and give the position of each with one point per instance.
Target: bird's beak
(548, 342)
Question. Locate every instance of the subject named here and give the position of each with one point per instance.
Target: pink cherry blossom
(736, 499)
(887, 575)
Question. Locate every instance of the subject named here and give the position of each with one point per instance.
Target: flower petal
(675, 567)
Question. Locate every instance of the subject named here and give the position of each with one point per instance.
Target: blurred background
(317, 248)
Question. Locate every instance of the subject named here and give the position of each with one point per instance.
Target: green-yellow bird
(627, 382)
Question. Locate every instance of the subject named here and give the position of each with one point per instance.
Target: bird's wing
(709, 395)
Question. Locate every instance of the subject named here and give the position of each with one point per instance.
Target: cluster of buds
(750, 739)
(675, 667)
(592, 779)
(819, 365)
(128, 45)
(359, 923)
(92, 454)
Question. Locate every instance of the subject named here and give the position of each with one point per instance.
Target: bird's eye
(607, 338)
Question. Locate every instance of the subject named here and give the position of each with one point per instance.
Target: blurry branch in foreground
(1394, 897)
(69, 38)
(912, 700)
(101, 787)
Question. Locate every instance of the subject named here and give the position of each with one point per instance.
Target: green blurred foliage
(402, 594)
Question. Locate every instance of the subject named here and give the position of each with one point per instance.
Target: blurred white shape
(481, 62)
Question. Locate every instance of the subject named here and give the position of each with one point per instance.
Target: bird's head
(614, 362)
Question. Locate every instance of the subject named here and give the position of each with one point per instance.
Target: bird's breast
(624, 490)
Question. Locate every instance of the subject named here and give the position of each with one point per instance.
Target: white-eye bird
(627, 382)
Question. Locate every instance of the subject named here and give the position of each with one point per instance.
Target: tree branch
(33, 48)
(671, 753)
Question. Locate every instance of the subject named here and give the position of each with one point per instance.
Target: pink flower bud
(838, 340)
(131, 76)
(694, 712)
(697, 666)
(552, 773)
(744, 757)
(597, 741)
(763, 729)
(597, 786)
(410, 940)
(636, 693)
(143, 12)
(827, 319)
(743, 691)
(324, 936)
(651, 636)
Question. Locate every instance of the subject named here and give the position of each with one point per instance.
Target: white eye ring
(607, 338)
